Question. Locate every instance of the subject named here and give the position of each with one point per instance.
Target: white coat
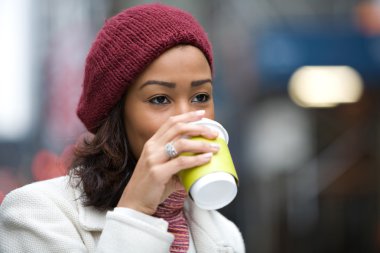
(47, 216)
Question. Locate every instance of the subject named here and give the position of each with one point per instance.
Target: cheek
(152, 121)
(210, 112)
(138, 133)
(150, 128)
(144, 126)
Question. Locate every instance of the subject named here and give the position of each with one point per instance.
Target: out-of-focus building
(296, 85)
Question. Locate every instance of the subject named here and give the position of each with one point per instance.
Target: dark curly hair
(103, 163)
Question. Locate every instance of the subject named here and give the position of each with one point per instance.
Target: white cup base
(214, 190)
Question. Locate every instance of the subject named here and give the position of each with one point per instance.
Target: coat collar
(206, 235)
(90, 218)
(204, 229)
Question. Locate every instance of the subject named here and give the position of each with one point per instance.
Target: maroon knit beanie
(125, 46)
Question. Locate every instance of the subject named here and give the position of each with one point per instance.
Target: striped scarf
(171, 210)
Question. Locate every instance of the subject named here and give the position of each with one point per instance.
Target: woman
(148, 73)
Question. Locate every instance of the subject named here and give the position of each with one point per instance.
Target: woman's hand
(154, 177)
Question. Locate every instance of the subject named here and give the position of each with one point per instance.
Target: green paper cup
(214, 184)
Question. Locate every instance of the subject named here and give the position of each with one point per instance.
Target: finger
(195, 146)
(186, 162)
(175, 148)
(180, 130)
(182, 144)
(181, 118)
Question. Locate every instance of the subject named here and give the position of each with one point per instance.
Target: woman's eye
(201, 98)
(159, 100)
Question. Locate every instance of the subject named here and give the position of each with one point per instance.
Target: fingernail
(200, 112)
(215, 146)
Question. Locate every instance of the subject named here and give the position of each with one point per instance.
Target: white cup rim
(215, 125)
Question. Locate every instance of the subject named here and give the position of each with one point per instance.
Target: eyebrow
(156, 82)
(172, 85)
(200, 82)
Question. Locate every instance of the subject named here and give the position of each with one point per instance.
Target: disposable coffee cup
(212, 185)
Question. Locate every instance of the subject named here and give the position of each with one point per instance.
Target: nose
(183, 106)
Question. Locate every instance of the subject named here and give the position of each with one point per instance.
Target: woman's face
(178, 81)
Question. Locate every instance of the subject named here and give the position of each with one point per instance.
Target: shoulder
(43, 195)
(42, 216)
(51, 188)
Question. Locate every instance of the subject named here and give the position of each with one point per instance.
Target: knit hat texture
(123, 49)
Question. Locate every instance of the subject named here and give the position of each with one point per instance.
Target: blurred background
(297, 86)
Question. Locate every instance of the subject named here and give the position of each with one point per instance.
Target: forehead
(178, 63)
(180, 57)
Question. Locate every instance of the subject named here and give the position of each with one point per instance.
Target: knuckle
(148, 146)
(172, 120)
(180, 143)
(155, 173)
(205, 145)
(179, 127)
(150, 162)
(150, 149)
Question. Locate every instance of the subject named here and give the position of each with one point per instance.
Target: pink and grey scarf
(171, 210)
